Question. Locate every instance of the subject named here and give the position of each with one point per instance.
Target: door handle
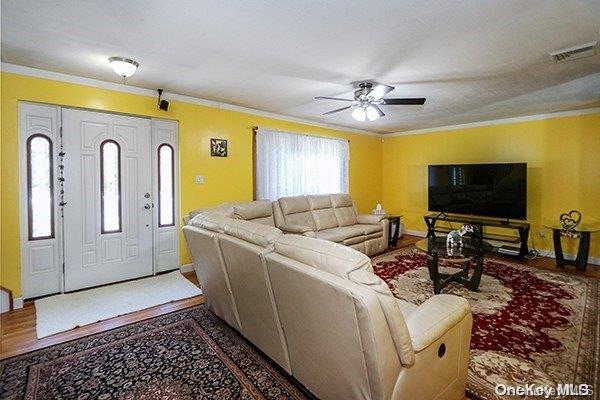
(148, 206)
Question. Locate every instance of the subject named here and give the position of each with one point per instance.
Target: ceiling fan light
(372, 113)
(123, 66)
(359, 114)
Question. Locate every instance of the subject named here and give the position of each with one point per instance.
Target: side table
(394, 233)
(583, 232)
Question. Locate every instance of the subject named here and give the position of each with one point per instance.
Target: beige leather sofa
(332, 217)
(316, 308)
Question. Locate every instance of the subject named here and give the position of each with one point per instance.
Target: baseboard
(543, 253)
(17, 303)
(414, 233)
(186, 268)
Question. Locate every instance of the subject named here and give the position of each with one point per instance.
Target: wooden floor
(18, 326)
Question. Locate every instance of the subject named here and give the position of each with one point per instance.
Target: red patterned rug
(530, 326)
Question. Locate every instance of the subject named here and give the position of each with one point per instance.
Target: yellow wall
(563, 162)
(226, 179)
(563, 156)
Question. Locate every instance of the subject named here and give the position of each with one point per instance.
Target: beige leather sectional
(331, 217)
(316, 308)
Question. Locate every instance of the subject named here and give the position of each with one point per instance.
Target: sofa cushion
(353, 240)
(345, 215)
(259, 211)
(225, 210)
(321, 254)
(348, 263)
(294, 204)
(341, 233)
(341, 200)
(343, 207)
(322, 211)
(324, 219)
(368, 229)
(319, 201)
(259, 234)
(210, 221)
(374, 235)
(296, 211)
(406, 307)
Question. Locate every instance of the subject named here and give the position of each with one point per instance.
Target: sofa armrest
(369, 219)
(432, 319)
(298, 229)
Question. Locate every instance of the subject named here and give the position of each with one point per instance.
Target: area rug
(530, 326)
(190, 354)
(63, 312)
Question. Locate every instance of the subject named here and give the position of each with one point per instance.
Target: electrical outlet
(199, 179)
(542, 233)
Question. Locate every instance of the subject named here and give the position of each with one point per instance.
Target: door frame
(51, 280)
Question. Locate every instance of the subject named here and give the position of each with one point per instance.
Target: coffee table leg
(432, 265)
(476, 278)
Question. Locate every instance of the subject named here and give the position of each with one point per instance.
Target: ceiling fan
(367, 100)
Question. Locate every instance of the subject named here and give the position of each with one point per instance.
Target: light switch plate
(199, 179)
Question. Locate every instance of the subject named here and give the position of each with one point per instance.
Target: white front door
(108, 216)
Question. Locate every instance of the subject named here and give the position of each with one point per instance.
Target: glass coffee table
(436, 250)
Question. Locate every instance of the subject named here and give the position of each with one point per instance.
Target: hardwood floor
(18, 326)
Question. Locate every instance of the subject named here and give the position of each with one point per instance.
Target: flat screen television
(488, 190)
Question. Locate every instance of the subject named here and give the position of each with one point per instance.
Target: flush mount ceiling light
(123, 66)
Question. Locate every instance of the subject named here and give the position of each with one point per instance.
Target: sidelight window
(110, 186)
(166, 185)
(40, 187)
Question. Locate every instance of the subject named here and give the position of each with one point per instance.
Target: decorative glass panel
(40, 188)
(110, 186)
(166, 187)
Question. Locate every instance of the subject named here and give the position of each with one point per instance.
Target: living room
(231, 212)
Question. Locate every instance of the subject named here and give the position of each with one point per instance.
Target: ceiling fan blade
(414, 101)
(380, 90)
(331, 98)
(337, 110)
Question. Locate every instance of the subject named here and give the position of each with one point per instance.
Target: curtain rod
(255, 130)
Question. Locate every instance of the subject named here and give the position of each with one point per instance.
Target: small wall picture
(218, 147)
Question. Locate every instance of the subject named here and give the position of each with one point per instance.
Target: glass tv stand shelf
(520, 228)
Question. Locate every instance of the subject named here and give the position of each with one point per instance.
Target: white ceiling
(473, 60)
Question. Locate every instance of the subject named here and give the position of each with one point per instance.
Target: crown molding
(119, 87)
(502, 121)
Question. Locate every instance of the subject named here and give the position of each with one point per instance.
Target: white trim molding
(502, 121)
(17, 303)
(119, 87)
(186, 268)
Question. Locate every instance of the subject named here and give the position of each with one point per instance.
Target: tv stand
(522, 227)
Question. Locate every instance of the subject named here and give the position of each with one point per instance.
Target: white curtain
(289, 164)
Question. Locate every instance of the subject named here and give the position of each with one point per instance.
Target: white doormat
(62, 312)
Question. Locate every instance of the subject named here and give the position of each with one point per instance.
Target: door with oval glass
(108, 215)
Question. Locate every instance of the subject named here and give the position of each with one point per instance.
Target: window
(40, 187)
(110, 186)
(166, 186)
(289, 164)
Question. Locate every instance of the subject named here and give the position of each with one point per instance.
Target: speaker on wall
(162, 104)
